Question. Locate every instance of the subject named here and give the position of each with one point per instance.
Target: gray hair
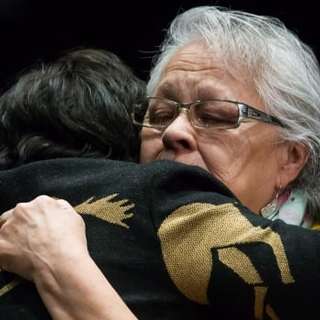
(282, 68)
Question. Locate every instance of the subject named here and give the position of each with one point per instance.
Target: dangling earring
(271, 210)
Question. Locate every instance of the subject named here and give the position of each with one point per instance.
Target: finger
(47, 200)
(5, 250)
(64, 204)
(5, 216)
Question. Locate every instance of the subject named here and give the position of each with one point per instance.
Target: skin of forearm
(77, 290)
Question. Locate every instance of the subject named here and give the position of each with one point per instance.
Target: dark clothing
(173, 241)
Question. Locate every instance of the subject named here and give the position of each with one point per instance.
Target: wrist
(58, 285)
(78, 290)
(50, 274)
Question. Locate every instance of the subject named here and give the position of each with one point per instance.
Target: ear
(294, 159)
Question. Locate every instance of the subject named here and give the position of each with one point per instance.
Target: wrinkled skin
(32, 238)
(251, 160)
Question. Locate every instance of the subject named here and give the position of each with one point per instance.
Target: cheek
(225, 155)
(151, 145)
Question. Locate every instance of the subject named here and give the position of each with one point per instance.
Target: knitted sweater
(173, 241)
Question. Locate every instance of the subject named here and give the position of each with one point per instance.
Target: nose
(180, 135)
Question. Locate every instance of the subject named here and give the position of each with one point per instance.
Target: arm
(67, 296)
(36, 245)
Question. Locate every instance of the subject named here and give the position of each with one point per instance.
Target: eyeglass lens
(207, 114)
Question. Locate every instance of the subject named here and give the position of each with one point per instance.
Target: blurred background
(32, 30)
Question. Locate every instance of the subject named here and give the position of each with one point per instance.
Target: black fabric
(137, 244)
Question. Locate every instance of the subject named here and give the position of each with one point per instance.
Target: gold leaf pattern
(9, 286)
(110, 211)
(190, 232)
(240, 263)
(259, 294)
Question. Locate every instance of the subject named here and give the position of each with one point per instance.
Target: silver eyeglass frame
(246, 113)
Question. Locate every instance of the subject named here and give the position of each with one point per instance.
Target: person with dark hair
(77, 106)
(238, 96)
(66, 117)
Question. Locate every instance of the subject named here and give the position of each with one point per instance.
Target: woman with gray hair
(236, 95)
(272, 70)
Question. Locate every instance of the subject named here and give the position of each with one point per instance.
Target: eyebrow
(206, 91)
(209, 92)
(213, 88)
(167, 90)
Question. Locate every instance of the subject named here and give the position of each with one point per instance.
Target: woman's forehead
(194, 72)
(194, 57)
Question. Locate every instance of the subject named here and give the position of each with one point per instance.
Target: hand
(42, 241)
(40, 235)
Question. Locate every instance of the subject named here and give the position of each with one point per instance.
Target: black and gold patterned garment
(173, 241)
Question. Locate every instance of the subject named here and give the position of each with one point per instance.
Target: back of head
(262, 51)
(76, 106)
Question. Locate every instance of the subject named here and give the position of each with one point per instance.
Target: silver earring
(271, 210)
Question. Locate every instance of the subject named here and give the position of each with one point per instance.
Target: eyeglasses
(210, 114)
